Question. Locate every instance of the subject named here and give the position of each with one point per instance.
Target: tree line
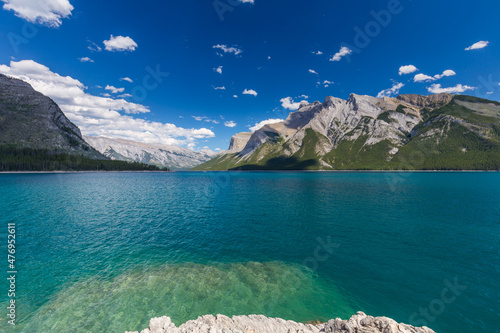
(14, 158)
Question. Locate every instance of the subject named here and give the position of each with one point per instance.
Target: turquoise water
(105, 252)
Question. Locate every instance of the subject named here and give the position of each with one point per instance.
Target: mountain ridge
(441, 131)
(173, 157)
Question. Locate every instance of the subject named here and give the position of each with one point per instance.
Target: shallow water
(108, 251)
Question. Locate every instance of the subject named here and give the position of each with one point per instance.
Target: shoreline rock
(359, 323)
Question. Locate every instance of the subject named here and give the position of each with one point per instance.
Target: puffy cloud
(423, 78)
(249, 92)
(126, 79)
(408, 69)
(344, 50)
(312, 71)
(218, 69)
(85, 59)
(258, 126)
(479, 45)
(317, 52)
(247, 1)
(288, 103)
(230, 124)
(220, 88)
(437, 89)
(235, 96)
(114, 90)
(447, 72)
(227, 49)
(100, 116)
(46, 12)
(120, 43)
(394, 90)
(427, 78)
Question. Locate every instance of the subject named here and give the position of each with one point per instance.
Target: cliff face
(239, 141)
(359, 323)
(364, 132)
(29, 119)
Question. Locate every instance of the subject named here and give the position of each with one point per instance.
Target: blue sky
(179, 55)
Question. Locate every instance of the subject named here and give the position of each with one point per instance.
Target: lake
(105, 252)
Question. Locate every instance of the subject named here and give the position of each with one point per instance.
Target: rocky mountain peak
(369, 132)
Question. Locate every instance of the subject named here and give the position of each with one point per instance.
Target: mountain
(35, 135)
(173, 157)
(409, 132)
(29, 119)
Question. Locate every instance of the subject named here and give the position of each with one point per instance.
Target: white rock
(359, 323)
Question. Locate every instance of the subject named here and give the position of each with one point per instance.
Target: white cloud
(47, 12)
(217, 149)
(235, 96)
(269, 58)
(85, 59)
(227, 49)
(120, 43)
(258, 126)
(427, 78)
(249, 92)
(220, 88)
(230, 124)
(218, 69)
(342, 53)
(317, 52)
(114, 90)
(479, 45)
(125, 95)
(205, 119)
(126, 79)
(408, 69)
(304, 96)
(447, 72)
(106, 94)
(312, 71)
(437, 89)
(327, 83)
(100, 116)
(247, 1)
(423, 78)
(394, 90)
(288, 103)
(94, 47)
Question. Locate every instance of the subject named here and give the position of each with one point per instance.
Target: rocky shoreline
(359, 323)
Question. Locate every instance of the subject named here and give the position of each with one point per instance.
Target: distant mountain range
(175, 158)
(36, 135)
(410, 132)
